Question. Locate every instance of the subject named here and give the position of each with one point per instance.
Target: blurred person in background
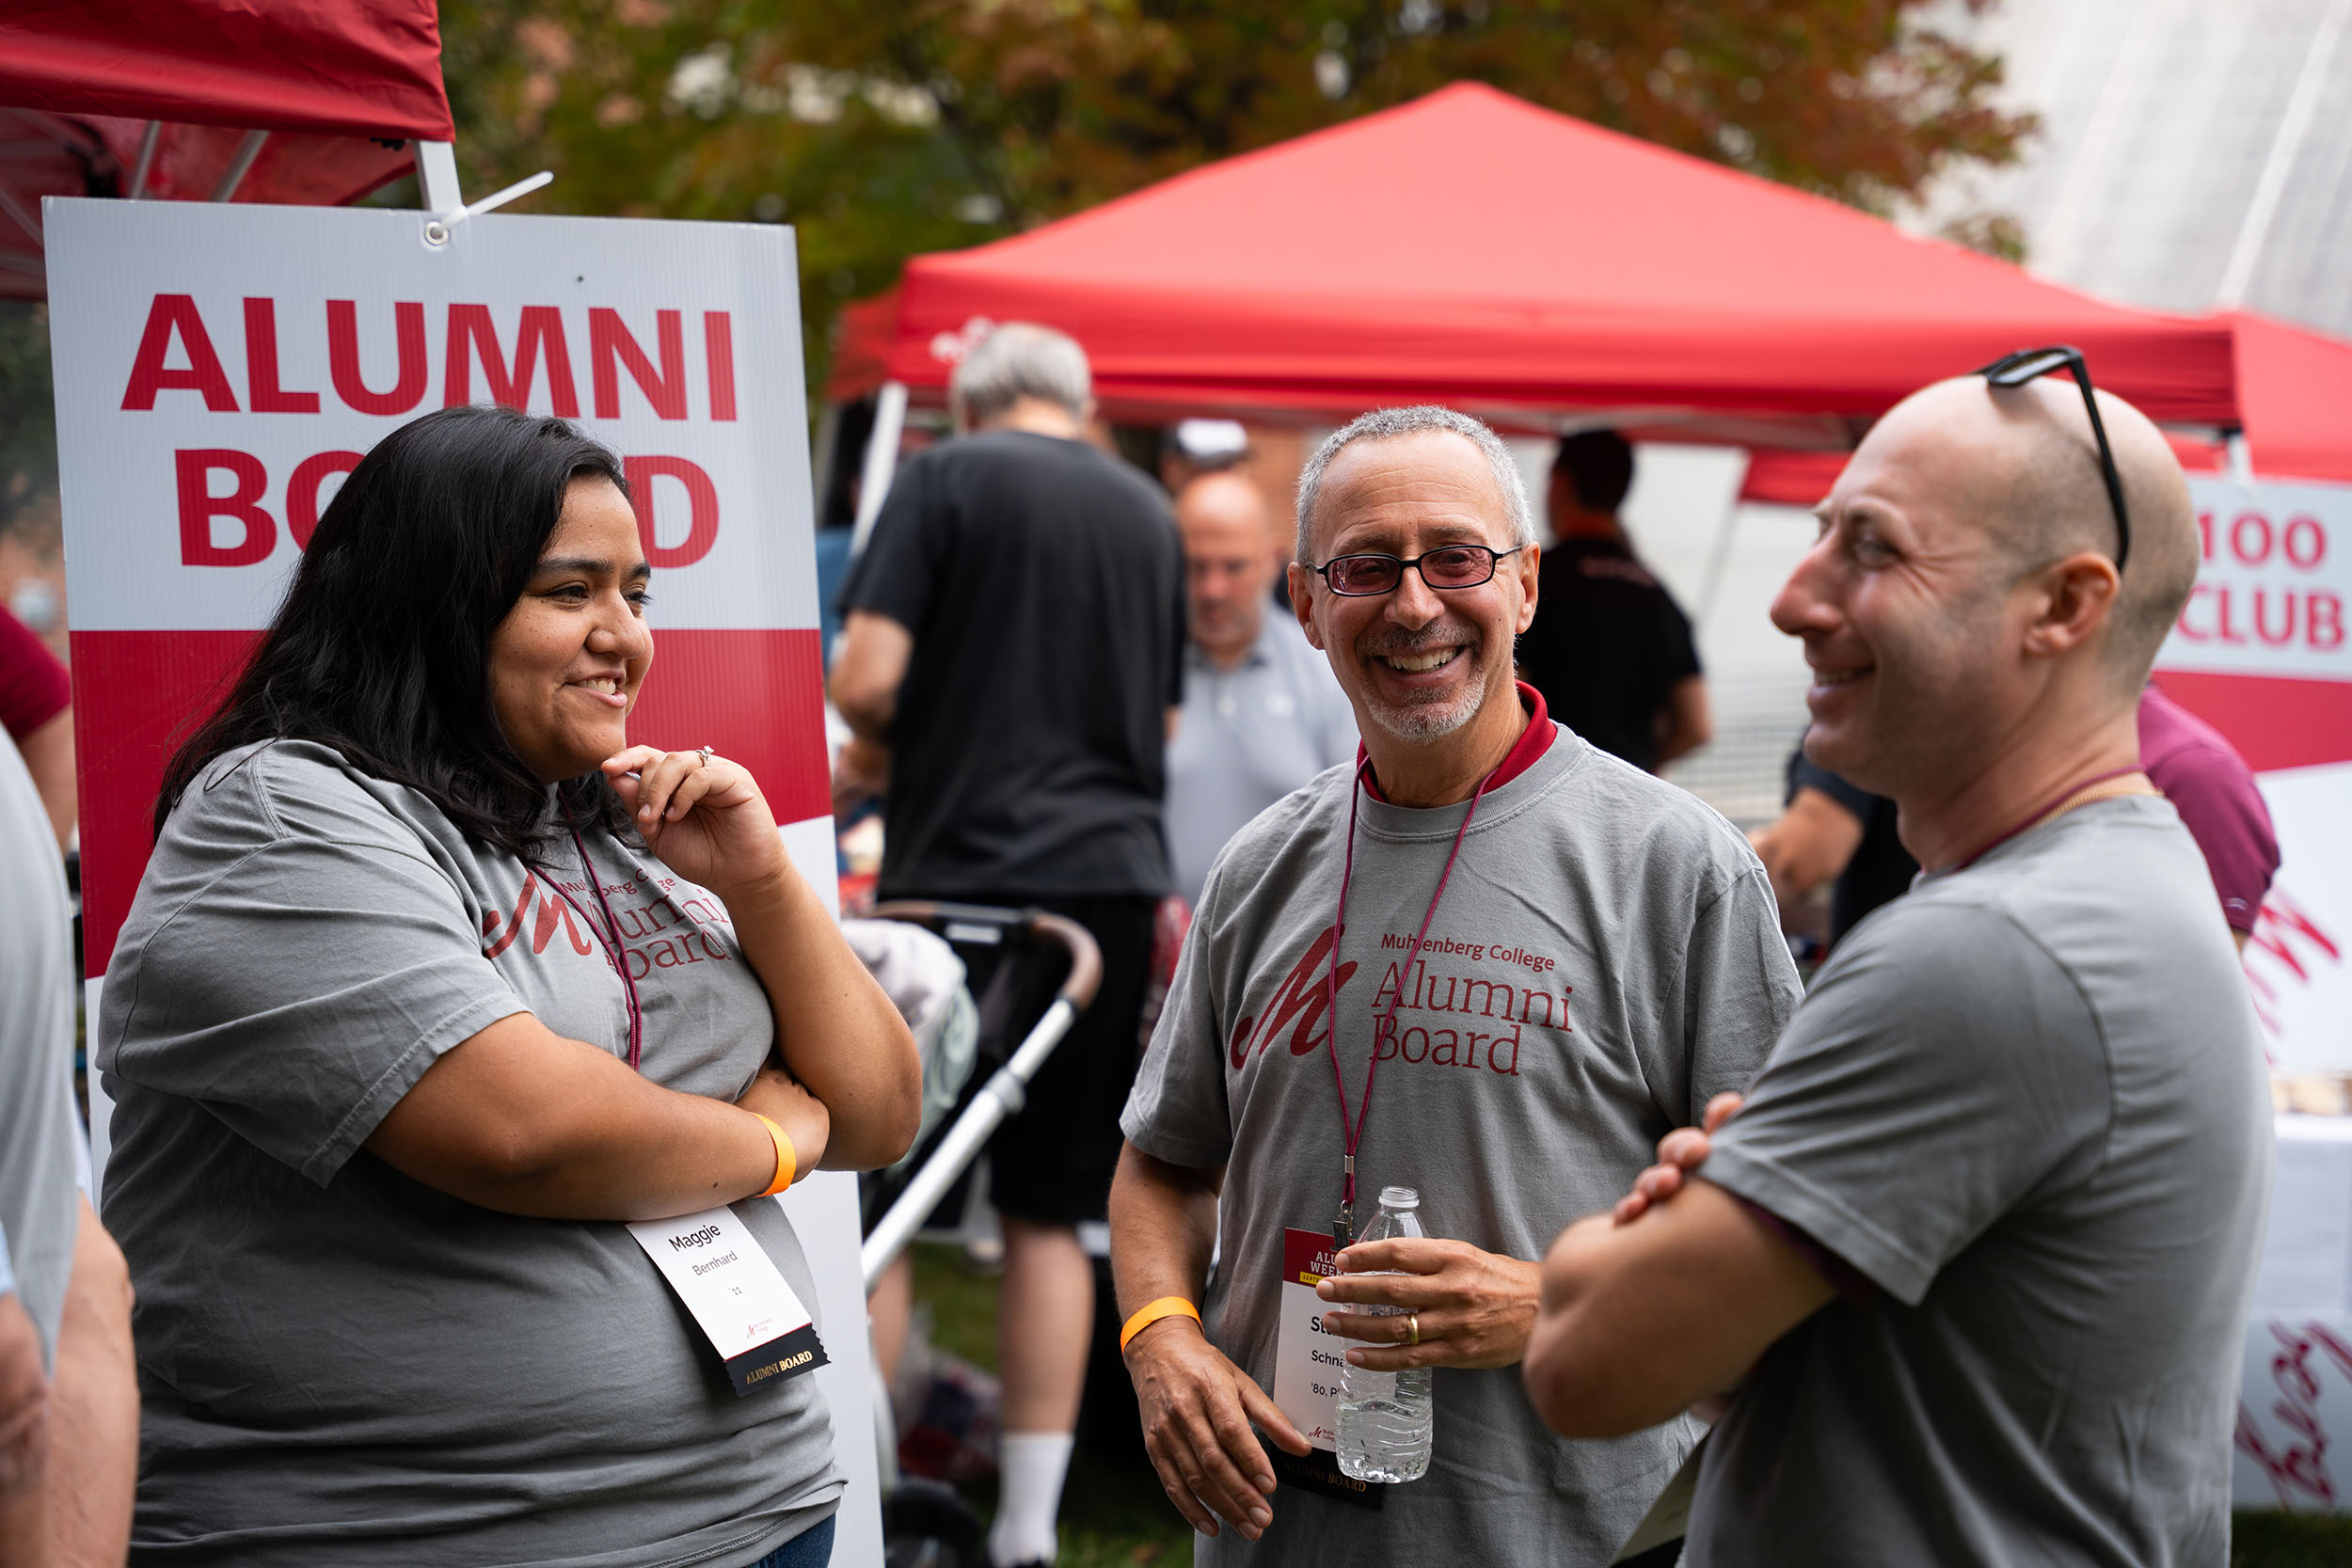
(1011, 661)
(431, 982)
(1611, 651)
(37, 711)
(1261, 714)
(1191, 448)
(1973, 1258)
(1601, 958)
(1833, 830)
(69, 1416)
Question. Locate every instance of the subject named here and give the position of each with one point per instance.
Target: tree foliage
(883, 128)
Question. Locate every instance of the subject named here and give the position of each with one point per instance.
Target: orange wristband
(788, 1165)
(1151, 1312)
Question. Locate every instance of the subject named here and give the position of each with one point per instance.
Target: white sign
(2274, 576)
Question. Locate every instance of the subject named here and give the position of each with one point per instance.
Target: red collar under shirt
(1532, 743)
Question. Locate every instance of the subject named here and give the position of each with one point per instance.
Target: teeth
(610, 687)
(1416, 663)
(1838, 677)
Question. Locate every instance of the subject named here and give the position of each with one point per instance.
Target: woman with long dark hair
(432, 979)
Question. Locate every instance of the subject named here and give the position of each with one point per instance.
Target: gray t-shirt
(1246, 737)
(38, 1126)
(341, 1365)
(1607, 955)
(2027, 1102)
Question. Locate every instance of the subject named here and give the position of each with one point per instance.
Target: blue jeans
(811, 1548)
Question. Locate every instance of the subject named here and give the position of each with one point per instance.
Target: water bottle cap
(1399, 1198)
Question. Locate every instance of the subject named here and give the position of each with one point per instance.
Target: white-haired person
(1536, 955)
(1011, 659)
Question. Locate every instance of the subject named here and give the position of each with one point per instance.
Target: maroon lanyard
(614, 948)
(1352, 1134)
(2060, 798)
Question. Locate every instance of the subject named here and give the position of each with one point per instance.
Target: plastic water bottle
(1386, 1420)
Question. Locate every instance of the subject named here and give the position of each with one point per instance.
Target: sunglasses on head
(2029, 364)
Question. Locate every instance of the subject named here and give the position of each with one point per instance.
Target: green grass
(1115, 1517)
(1112, 1516)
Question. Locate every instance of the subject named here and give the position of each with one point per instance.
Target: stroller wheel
(926, 1525)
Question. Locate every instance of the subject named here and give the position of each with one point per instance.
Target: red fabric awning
(367, 68)
(1473, 248)
(341, 86)
(2294, 384)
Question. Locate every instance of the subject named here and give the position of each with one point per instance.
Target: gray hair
(1386, 423)
(1020, 359)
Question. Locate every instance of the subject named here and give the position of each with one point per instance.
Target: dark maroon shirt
(33, 687)
(2213, 789)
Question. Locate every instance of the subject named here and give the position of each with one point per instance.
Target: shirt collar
(1259, 652)
(1532, 743)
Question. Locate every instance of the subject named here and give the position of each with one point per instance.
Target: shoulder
(283, 792)
(1643, 824)
(1297, 825)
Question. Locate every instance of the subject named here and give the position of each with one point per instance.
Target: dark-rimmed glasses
(2026, 364)
(1448, 566)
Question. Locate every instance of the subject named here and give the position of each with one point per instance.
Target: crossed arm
(1664, 1302)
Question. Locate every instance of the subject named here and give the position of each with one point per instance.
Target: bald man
(1261, 713)
(1978, 1248)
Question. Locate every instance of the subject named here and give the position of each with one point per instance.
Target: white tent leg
(437, 176)
(881, 460)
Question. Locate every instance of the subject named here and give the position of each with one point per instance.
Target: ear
(1527, 564)
(2075, 599)
(1302, 586)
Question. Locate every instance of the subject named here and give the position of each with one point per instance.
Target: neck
(1445, 771)
(1039, 417)
(1228, 655)
(2027, 773)
(1578, 523)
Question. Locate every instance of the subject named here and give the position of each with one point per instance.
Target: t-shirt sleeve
(300, 989)
(899, 571)
(1177, 1111)
(1738, 990)
(33, 687)
(1680, 650)
(1943, 1069)
(2222, 808)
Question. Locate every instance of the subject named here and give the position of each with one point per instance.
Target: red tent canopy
(2294, 384)
(1473, 248)
(341, 86)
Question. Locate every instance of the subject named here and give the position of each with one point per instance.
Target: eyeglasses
(2015, 370)
(1449, 566)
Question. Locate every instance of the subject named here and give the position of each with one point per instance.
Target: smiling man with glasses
(1539, 957)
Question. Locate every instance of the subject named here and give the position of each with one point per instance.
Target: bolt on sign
(220, 370)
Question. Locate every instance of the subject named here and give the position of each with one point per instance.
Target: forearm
(48, 754)
(1163, 1221)
(24, 1441)
(520, 1120)
(836, 1029)
(94, 1447)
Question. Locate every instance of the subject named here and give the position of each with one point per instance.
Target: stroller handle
(1086, 959)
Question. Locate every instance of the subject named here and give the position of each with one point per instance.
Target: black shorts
(1053, 1162)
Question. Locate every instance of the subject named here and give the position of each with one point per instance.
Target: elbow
(24, 1407)
(903, 1120)
(1583, 1391)
(864, 707)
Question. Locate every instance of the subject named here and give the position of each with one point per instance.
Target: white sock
(1030, 1467)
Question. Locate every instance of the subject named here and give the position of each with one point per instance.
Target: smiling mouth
(603, 685)
(1420, 663)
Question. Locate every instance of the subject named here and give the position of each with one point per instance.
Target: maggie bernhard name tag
(751, 1317)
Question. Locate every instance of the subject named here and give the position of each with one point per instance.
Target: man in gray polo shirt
(1981, 1238)
(1261, 713)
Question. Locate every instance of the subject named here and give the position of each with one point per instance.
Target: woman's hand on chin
(704, 819)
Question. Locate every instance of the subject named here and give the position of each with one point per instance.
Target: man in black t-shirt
(1610, 649)
(1829, 829)
(1011, 659)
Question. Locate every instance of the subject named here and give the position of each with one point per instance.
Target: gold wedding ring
(1412, 1329)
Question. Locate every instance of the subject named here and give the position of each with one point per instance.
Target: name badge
(1309, 1360)
(728, 1282)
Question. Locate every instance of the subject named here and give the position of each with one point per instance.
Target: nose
(1413, 604)
(620, 630)
(1803, 605)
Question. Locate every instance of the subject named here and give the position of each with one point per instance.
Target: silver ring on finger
(704, 752)
(1412, 1329)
